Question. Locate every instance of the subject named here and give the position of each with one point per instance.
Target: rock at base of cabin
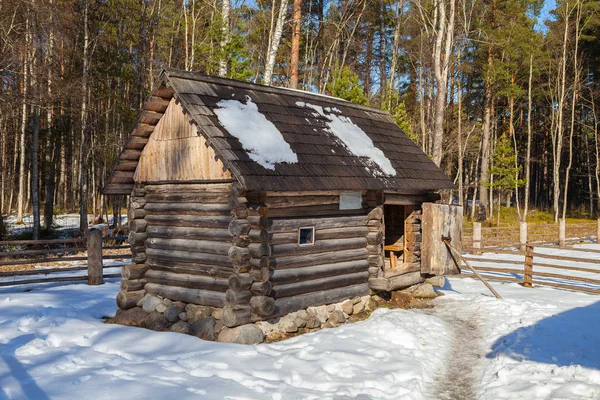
(336, 318)
(156, 322)
(183, 316)
(356, 300)
(331, 308)
(161, 308)
(133, 317)
(436, 281)
(313, 322)
(172, 313)
(319, 312)
(181, 327)
(303, 314)
(244, 334)
(348, 307)
(217, 313)
(358, 308)
(300, 322)
(289, 326)
(149, 303)
(196, 313)
(401, 299)
(424, 291)
(371, 304)
(167, 302)
(205, 328)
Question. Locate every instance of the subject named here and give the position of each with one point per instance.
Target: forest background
(504, 95)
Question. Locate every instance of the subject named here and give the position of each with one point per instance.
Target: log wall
(337, 266)
(183, 234)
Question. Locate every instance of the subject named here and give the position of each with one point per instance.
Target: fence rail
(478, 238)
(93, 244)
(541, 268)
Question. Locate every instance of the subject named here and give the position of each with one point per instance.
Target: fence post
(562, 232)
(523, 236)
(476, 237)
(598, 231)
(94, 248)
(528, 275)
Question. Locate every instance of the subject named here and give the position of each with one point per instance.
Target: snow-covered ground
(539, 343)
(62, 222)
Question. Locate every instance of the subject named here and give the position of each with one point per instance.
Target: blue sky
(549, 5)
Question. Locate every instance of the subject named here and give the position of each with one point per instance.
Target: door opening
(394, 217)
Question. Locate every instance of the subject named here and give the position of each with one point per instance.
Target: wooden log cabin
(262, 201)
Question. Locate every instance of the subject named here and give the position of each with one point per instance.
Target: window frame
(312, 227)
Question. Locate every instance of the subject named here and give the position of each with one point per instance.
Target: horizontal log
(138, 202)
(290, 275)
(396, 282)
(563, 286)
(262, 305)
(257, 210)
(22, 253)
(136, 213)
(241, 240)
(187, 295)
(187, 280)
(300, 201)
(237, 202)
(42, 242)
(375, 213)
(238, 227)
(139, 257)
(137, 238)
(43, 271)
(293, 261)
(281, 250)
(332, 209)
(178, 209)
(237, 298)
(235, 316)
(132, 285)
(261, 288)
(182, 196)
(189, 188)
(191, 268)
(304, 193)
(320, 234)
(287, 305)
(263, 262)
(239, 255)
(195, 246)
(257, 221)
(134, 271)
(374, 249)
(127, 300)
(188, 256)
(171, 232)
(260, 274)
(331, 282)
(375, 238)
(192, 221)
(259, 235)
(287, 225)
(258, 250)
(239, 282)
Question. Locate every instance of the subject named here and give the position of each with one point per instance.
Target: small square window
(306, 235)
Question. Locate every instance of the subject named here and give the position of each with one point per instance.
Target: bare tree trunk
(272, 53)
(459, 133)
(573, 106)
(295, 59)
(83, 180)
(528, 155)
(21, 195)
(225, 9)
(35, 192)
(382, 52)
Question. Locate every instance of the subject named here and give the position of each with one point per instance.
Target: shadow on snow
(568, 338)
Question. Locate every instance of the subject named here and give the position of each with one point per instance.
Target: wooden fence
(30, 253)
(540, 268)
(478, 238)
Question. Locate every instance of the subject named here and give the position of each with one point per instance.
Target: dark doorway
(393, 217)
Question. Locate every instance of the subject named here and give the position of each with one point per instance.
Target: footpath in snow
(538, 343)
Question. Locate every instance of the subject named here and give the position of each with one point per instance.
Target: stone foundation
(159, 314)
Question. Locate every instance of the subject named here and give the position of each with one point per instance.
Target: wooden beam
(143, 130)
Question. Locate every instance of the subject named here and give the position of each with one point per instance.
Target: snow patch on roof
(260, 138)
(355, 139)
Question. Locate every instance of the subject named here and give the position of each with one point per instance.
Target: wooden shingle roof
(324, 162)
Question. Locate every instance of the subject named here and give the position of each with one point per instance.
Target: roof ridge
(197, 76)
